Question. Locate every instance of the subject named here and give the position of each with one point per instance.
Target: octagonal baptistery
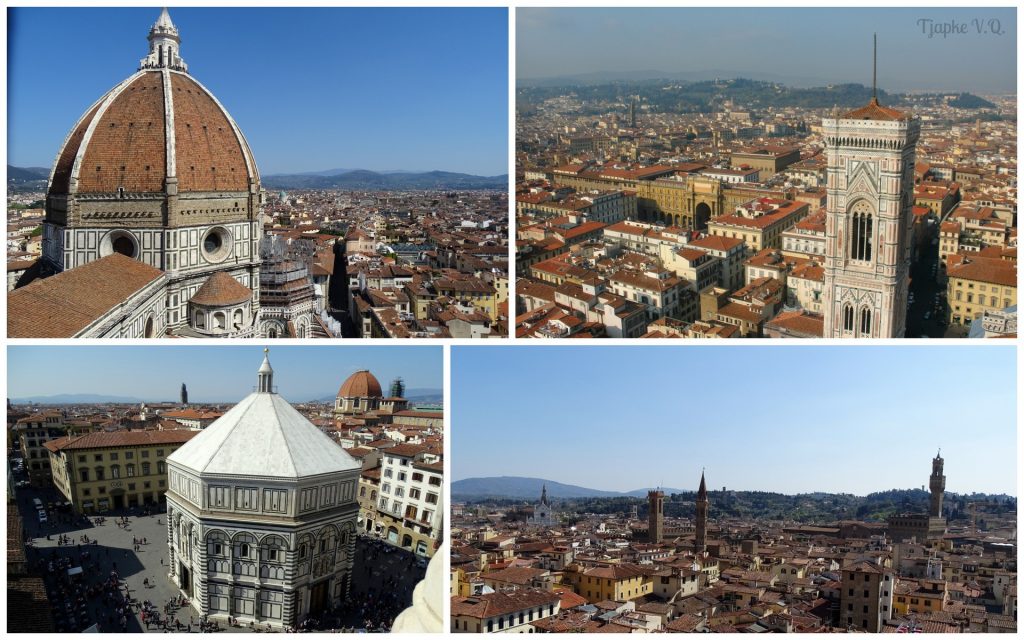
(158, 170)
(261, 514)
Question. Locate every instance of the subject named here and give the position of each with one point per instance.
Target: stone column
(231, 576)
(350, 551)
(171, 564)
(199, 577)
(288, 607)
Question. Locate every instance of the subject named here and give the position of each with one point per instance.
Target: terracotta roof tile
(107, 439)
(65, 304)
(221, 290)
(875, 111)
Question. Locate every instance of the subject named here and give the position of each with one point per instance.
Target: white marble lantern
(261, 513)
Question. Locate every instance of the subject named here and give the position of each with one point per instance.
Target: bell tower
(937, 484)
(871, 154)
(700, 543)
(655, 515)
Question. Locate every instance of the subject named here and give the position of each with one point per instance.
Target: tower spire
(874, 69)
(164, 46)
(700, 540)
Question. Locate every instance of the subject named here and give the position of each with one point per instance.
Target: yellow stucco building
(618, 582)
(114, 469)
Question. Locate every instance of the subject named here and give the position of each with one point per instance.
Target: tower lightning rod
(874, 68)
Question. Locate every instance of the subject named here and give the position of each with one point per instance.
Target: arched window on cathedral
(862, 237)
(218, 320)
(200, 320)
(238, 319)
(848, 317)
(865, 321)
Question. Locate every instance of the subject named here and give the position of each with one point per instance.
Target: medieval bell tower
(871, 154)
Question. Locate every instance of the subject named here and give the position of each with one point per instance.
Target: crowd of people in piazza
(84, 586)
(370, 607)
(88, 593)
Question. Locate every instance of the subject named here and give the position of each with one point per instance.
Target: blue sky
(311, 88)
(212, 373)
(801, 46)
(789, 419)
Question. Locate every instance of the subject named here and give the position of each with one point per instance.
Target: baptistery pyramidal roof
(263, 436)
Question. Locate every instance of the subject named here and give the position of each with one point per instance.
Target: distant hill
(34, 178)
(970, 101)
(704, 96)
(653, 75)
(27, 173)
(77, 398)
(807, 508)
(26, 178)
(530, 488)
(360, 179)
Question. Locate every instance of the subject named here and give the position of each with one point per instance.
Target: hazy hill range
(27, 178)
(33, 178)
(360, 179)
(668, 95)
(77, 398)
(807, 507)
(530, 488)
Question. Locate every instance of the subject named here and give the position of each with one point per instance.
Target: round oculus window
(216, 244)
(119, 241)
(124, 246)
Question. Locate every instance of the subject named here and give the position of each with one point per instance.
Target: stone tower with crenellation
(937, 484)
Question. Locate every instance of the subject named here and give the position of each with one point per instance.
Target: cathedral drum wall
(210, 208)
(193, 249)
(129, 210)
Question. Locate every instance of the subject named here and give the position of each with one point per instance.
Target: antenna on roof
(874, 69)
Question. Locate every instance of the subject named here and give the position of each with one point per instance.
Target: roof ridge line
(291, 460)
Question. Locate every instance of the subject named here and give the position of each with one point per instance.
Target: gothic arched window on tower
(848, 317)
(865, 321)
(862, 237)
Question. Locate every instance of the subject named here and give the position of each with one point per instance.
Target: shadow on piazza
(312, 501)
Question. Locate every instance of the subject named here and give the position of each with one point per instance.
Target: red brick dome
(159, 123)
(360, 384)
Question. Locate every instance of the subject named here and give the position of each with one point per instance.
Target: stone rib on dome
(263, 436)
(221, 290)
(361, 384)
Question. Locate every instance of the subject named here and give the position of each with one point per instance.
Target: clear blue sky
(213, 374)
(311, 88)
(800, 46)
(790, 419)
